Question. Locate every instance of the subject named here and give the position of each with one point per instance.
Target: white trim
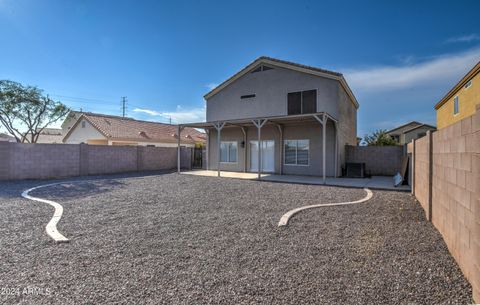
(296, 152)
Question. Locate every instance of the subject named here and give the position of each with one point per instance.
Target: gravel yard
(182, 239)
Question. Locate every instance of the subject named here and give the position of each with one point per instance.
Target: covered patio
(279, 123)
(375, 182)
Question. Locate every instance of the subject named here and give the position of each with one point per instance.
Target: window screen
(302, 102)
(295, 103)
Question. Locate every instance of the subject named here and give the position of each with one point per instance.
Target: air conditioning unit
(355, 170)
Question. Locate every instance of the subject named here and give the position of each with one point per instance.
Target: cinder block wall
(454, 190)
(43, 161)
(379, 160)
(421, 172)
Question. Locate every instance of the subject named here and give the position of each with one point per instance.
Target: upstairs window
(302, 102)
(456, 106)
(468, 84)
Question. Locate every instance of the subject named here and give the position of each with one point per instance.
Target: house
(461, 101)
(405, 133)
(303, 117)
(50, 136)
(101, 129)
(4, 137)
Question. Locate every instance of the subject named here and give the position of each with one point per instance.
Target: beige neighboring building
(405, 133)
(7, 138)
(101, 129)
(50, 136)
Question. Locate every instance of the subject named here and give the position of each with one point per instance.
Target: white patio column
(218, 126)
(259, 124)
(336, 148)
(323, 121)
(244, 131)
(179, 131)
(280, 130)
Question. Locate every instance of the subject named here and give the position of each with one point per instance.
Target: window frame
(456, 105)
(228, 154)
(296, 152)
(301, 100)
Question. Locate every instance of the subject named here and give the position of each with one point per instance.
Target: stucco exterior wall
(308, 130)
(415, 134)
(271, 88)
(468, 99)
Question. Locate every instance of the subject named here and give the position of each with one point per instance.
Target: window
(456, 105)
(468, 84)
(83, 124)
(247, 96)
(228, 152)
(297, 152)
(302, 102)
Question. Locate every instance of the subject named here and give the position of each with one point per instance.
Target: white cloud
(465, 38)
(180, 115)
(211, 86)
(444, 69)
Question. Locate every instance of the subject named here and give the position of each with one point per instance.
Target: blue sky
(399, 58)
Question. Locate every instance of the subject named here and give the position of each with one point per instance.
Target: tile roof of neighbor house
(123, 128)
(288, 64)
(474, 71)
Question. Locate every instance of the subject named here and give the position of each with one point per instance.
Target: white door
(268, 156)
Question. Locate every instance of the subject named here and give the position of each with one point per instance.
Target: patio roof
(248, 122)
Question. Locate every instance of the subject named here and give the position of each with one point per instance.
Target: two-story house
(461, 101)
(302, 117)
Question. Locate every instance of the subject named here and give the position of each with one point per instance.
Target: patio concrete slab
(375, 182)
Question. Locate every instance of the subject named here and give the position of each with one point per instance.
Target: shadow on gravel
(78, 189)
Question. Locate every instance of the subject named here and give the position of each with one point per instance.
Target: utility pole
(124, 102)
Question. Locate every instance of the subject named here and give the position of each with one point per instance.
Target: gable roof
(421, 125)
(287, 65)
(471, 74)
(414, 123)
(122, 128)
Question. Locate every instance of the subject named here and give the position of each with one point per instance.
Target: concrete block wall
(422, 175)
(453, 190)
(379, 160)
(44, 161)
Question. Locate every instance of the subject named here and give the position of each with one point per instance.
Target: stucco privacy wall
(41, 161)
(448, 178)
(379, 160)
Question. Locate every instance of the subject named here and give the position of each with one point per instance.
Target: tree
(380, 138)
(25, 111)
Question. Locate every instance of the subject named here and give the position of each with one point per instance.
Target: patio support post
(280, 130)
(218, 126)
(179, 131)
(336, 148)
(323, 121)
(207, 150)
(259, 124)
(244, 131)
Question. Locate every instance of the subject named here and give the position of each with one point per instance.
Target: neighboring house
(7, 138)
(50, 136)
(303, 115)
(405, 133)
(100, 129)
(461, 101)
